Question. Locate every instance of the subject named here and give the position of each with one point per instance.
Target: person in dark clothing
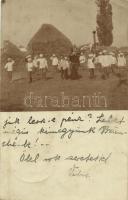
(74, 59)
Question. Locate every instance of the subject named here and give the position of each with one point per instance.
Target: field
(13, 95)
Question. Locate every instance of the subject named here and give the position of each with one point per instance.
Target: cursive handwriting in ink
(16, 131)
(70, 119)
(101, 118)
(107, 130)
(90, 158)
(33, 121)
(76, 171)
(29, 158)
(55, 158)
(15, 143)
(67, 132)
(10, 122)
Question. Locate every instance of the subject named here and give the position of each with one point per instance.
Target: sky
(21, 19)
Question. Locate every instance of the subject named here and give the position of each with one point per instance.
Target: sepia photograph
(64, 55)
(64, 100)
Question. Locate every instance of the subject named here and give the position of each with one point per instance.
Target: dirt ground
(12, 96)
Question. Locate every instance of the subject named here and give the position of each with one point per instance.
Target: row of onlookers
(69, 65)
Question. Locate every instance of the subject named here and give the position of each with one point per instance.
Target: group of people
(106, 62)
(68, 66)
(37, 64)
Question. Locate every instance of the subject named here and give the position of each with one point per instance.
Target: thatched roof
(49, 40)
(10, 50)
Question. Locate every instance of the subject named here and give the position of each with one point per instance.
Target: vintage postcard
(64, 55)
(64, 100)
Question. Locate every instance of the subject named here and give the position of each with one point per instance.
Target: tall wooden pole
(94, 40)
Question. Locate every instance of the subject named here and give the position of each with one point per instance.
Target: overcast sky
(75, 18)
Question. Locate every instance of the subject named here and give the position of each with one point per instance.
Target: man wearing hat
(121, 61)
(43, 66)
(123, 74)
(91, 65)
(9, 68)
(105, 64)
(82, 60)
(30, 67)
(64, 67)
(113, 62)
(55, 62)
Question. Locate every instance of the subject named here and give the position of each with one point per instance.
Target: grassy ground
(13, 94)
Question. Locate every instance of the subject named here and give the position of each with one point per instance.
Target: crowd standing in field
(105, 62)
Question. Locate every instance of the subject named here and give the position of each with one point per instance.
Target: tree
(3, 1)
(104, 22)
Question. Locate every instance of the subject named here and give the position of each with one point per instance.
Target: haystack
(49, 40)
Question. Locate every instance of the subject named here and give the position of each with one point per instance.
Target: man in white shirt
(64, 65)
(9, 68)
(105, 64)
(43, 66)
(91, 65)
(30, 67)
(82, 60)
(123, 71)
(55, 62)
(121, 60)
